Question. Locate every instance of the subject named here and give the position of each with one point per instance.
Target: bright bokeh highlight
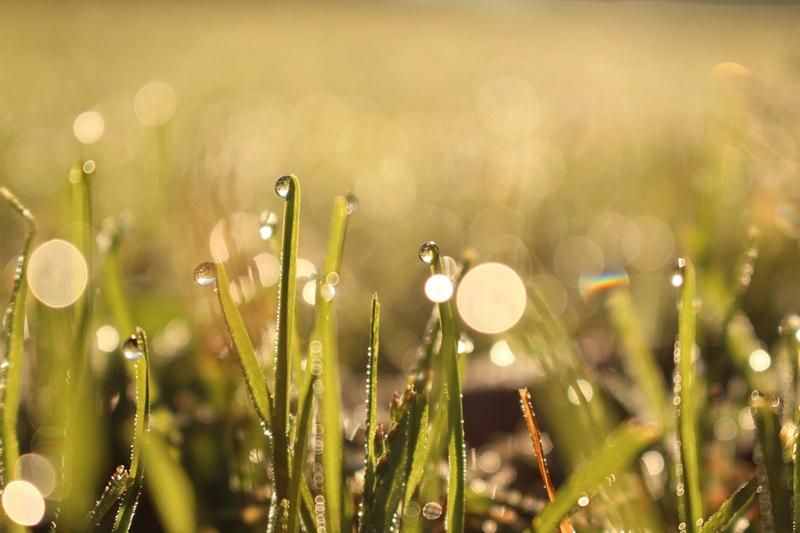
(23, 503)
(57, 273)
(491, 298)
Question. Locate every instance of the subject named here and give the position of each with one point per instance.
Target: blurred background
(560, 139)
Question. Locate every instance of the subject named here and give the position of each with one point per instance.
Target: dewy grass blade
(370, 458)
(116, 487)
(137, 343)
(733, 507)
(623, 445)
(687, 393)
(324, 337)
(288, 188)
(790, 326)
(565, 526)
(772, 464)
(169, 484)
(640, 360)
(456, 449)
(253, 375)
(299, 447)
(15, 335)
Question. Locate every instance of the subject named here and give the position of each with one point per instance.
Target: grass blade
(730, 510)
(565, 526)
(687, 394)
(288, 188)
(789, 331)
(127, 508)
(640, 360)
(370, 457)
(324, 336)
(14, 323)
(772, 465)
(623, 445)
(456, 449)
(253, 375)
(118, 483)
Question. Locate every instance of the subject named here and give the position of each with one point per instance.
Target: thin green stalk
(456, 449)
(731, 509)
(12, 360)
(117, 485)
(623, 445)
(127, 509)
(789, 331)
(324, 333)
(639, 358)
(283, 355)
(370, 457)
(687, 395)
(299, 447)
(773, 465)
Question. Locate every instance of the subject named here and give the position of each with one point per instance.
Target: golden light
(23, 503)
(491, 298)
(57, 273)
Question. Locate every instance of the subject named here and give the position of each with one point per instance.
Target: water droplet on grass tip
(205, 274)
(268, 221)
(352, 203)
(131, 349)
(282, 186)
(428, 252)
(677, 273)
(432, 510)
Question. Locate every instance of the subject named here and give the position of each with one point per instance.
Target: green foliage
(731, 509)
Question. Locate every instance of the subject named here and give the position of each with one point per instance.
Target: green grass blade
(288, 188)
(733, 507)
(639, 359)
(370, 458)
(623, 445)
(772, 464)
(789, 330)
(687, 394)
(15, 334)
(324, 332)
(253, 375)
(456, 449)
(127, 509)
(299, 447)
(118, 483)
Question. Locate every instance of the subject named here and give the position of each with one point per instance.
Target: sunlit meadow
(292, 267)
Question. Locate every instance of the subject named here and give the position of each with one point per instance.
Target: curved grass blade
(127, 508)
(170, 486)
(565, 526)
(14, 324)
(456, 449)
(370, 457)
(687, 394)
(731, 509)
(330, 405)
(772, 465)
(640, 360)
(623, 445)
(119, 482)
(253, 375)
(299, 447)
(789, 330)
(280, 508)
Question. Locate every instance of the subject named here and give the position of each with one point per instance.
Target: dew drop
(282, 186)
(205, 274)
(89, 166)
(327, 292)
(131, 349)
(677, 273)
(352, 203)
(268, 221)
(428, 252)
(432, 510)
(332, 278)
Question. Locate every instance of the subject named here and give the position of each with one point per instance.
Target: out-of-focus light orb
(656, 245)
(438, 288)
(305, 268)
(240, 232)
(787, 219)
(585, 389)
(491, 298)
(310, 292)
(552, 291)
(57, 273)
(653, 462)
(89, 127)
(759, 360)
(107, 338)
(500, 354)
(269, 269)
(36, 469)
(577, 256)
(23, 503)
(155, 103)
